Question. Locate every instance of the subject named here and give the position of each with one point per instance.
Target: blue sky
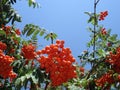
(67, 19)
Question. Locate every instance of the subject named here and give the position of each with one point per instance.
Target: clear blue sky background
(67, 19)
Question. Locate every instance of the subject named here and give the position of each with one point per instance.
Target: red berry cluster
(5, 68)
(28, 51)
(57, 61)
(82, 70)
(114, 60)
(105, 79)
(103, 31)
(17, 31)
(103, 15)
(3, 46)
(7, 29)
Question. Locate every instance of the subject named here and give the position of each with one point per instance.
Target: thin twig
(97, 2)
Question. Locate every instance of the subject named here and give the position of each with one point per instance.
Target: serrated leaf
(25, 29)
(33, 3)
(54, 36)
(89, 13)
(30, 32)
(91, 19)
(34, 36)
(47, 37)
(42, 32)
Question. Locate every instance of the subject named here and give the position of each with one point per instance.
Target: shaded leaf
(2, 32)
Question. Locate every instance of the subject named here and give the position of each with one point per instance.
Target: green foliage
(33, 3)
(74, 87)
(8, 14)
(27, 74)
(2, 32)
(50, 36)
(34, 31)
(93, 18)
(101, 43)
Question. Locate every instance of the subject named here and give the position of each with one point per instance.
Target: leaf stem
(51, 38)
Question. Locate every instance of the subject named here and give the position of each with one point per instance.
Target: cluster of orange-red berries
(103, 31)
(103, 15)
(58, 63)
(3, 46)
(105, 79)
(82, 69)
(5, 61)
(28, 51)
(8, 30)
(17, 31)
(114, 60)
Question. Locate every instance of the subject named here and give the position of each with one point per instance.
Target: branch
(97, 2)
(94, 67)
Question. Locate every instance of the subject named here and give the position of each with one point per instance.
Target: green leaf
(33, 3)
(35, 80)
(34, 36)
(30, 2)
(47, 37)
(18, 82)
(92, 20)
(90, 29)
(12, 1)
(23, 78)
(54, 36)
(17, 38)
(42, 32)
(102, 52)
(25, 29)
(30, 32)
(2, 32)
(28, 76)
(17, 18)
(25, 83)
(84, 82)
(113, 38)
(89, 13)
(73, 87)
(33, 30)
(9, 13)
